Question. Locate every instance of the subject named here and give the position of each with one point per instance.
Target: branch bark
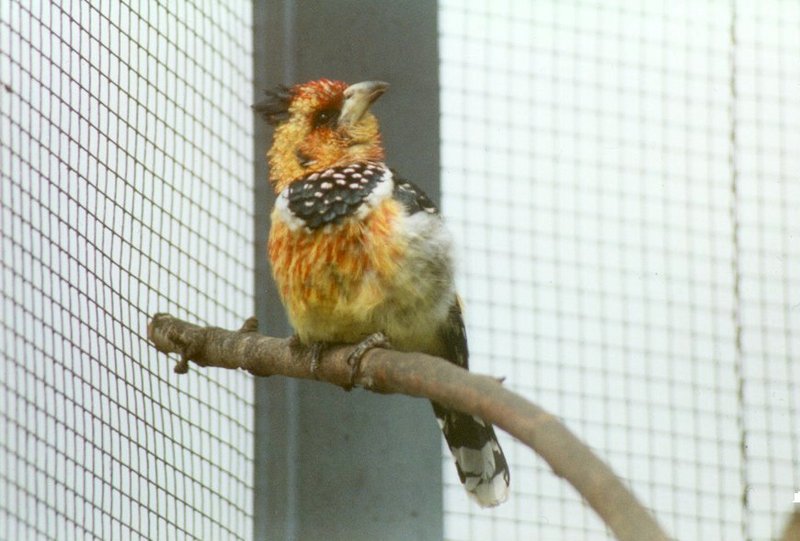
(417, 374)
(791, 532)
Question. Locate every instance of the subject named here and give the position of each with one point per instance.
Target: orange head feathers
(321, 124)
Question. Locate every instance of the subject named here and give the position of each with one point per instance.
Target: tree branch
(791, 532)
(420, 375)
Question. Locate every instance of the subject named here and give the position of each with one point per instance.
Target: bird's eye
(326, 117)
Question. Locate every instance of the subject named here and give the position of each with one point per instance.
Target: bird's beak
(358, 98)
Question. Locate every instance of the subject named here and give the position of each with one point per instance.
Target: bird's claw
(374, 340)
(315, 350)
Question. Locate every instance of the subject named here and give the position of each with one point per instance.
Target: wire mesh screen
(767, 128)
(126, 154)
(622, 181)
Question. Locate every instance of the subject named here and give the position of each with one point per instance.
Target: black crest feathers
(275, 107)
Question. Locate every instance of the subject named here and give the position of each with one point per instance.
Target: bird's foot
(315, 351)
(374, 340)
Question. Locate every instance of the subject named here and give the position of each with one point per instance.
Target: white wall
(622, 179)
(126, 158)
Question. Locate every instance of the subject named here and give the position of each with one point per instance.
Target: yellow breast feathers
(332, 278)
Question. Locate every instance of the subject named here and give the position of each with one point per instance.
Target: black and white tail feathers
(480, 462)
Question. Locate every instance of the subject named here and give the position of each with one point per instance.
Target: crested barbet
(361, 255)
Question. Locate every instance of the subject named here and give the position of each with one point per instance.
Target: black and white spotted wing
(329, 196)
(412, 197)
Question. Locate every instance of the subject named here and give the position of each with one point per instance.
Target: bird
(361, 255)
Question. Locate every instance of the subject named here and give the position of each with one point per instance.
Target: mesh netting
(621, 181)
(126, 154)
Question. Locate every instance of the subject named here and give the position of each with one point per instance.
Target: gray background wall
(332, 465)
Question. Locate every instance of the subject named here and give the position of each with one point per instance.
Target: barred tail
(480, 462)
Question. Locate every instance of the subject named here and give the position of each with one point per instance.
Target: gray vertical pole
(332, 465)
(275, 467)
